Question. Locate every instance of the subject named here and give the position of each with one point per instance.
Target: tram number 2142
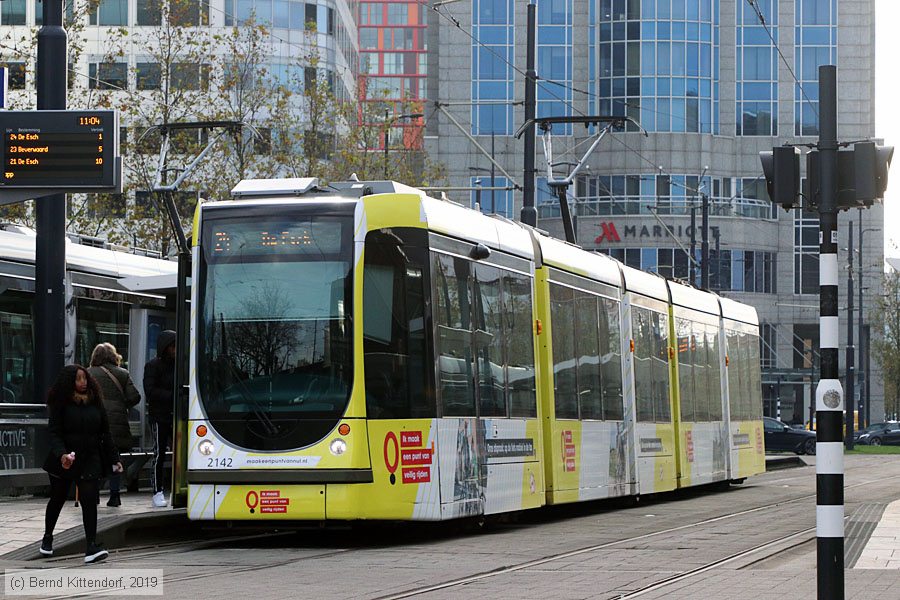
(219, 463)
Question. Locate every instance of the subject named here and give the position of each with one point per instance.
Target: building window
(649, 193)
(149, 13)
(815, 35)
(730, 270)
(68, 17)
(16, 75)
(756, 66)
(493, 201)
(371, 13)
(806, 252)
(188, 13)
(147, 76)
(492, 74)
(659, 63)
(110, 12)
(368, 38)
(108, 76)
(12, 12)
(554, 60)
(190, 76)
(768, 358)
(106, 206)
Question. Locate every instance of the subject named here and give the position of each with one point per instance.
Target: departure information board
(71, 149)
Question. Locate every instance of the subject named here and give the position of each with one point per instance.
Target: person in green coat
(119, 395)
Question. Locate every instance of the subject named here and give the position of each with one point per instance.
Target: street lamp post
(388, 123)
(862, 371)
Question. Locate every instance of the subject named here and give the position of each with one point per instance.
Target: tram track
(656, 585)
(150, 551)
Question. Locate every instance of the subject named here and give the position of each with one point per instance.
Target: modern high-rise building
(712, 83)
(393, 66)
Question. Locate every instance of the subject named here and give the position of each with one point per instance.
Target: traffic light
(781, 167)
(871, 164)
(861, 176)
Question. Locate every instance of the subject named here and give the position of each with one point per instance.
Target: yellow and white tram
(363, 351)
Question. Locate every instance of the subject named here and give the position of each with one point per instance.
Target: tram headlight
(206, 447)
(338, 446)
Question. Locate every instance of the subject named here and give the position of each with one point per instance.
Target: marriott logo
(608, 233)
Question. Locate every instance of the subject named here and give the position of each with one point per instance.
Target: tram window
(394, 343)
(686, 347)
(659, 329)
(562, 310)
(100, 322)
(732, 345)
(16, 350)
(643, 368)
(488, 341)
(611, 360)
(701, 373)
(519, 315)
(452, 321)
(715, 374)
(753, 366)
(746, 380)
(587, 353)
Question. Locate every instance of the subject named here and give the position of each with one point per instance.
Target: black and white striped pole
(864, 173)
(829, 393)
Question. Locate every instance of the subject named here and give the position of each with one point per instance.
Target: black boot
(114, 499)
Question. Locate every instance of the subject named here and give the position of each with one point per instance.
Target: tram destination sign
(73, 150)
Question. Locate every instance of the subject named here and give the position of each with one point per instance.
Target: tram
(360, 350)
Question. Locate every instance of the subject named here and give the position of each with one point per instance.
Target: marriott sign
(610, 233)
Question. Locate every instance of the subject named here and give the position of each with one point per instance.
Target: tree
(306, 124)
(886, 341)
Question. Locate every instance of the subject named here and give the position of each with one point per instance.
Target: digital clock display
(59, 149)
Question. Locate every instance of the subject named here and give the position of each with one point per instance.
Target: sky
(887, 115)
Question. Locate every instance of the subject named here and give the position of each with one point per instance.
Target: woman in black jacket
(119, 395)
(81, 450)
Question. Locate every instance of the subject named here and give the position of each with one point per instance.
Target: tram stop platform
(22, 523)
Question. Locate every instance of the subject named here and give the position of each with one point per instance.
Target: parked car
(877, 434)
(780, 436)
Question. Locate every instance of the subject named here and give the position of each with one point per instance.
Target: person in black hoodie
(159, 389)
(81, 450)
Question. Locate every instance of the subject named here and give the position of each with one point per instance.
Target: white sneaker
(159, 500)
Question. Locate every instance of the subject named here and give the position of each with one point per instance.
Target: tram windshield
(274, 353)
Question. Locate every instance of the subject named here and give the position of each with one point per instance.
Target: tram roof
(646, 284)
(592, 265)
(458, 221)
(738, 312)
(20, 247)
(692, 298)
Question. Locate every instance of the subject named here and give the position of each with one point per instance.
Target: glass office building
(712, 83)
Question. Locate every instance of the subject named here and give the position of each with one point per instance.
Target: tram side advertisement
(72, 150)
